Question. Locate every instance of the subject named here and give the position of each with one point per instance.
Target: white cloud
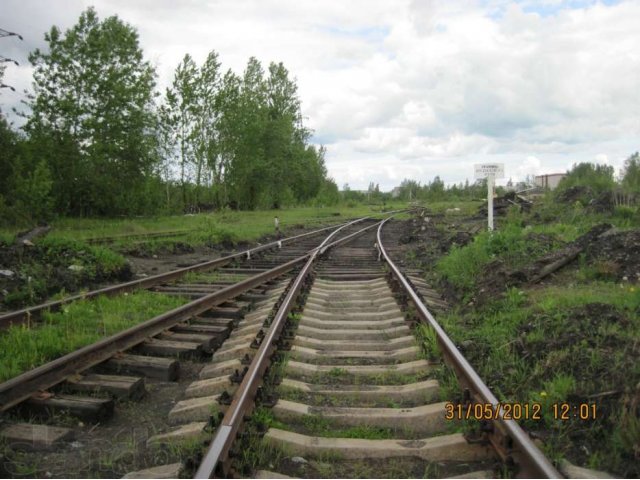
(410, 88)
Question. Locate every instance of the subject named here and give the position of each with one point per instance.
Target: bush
(631, 175)
(32, 195)
(594, 177)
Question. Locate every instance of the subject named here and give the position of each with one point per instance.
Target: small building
(550, 180)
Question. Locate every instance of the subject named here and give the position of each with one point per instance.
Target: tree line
(436, 190)
(592, 179)
(99, 139)
(590, 183)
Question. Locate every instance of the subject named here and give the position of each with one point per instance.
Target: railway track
(325, 359)
(347, 392)
(184, 346)
(292, 246)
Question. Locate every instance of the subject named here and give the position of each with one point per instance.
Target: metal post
(490, 181)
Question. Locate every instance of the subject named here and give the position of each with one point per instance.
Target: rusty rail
(25, 315)
(508, 438)
(52, 373)
(243, 400)
(23, 386)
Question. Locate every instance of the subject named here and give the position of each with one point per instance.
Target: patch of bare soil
(617, 254)
(428, 237)
(159, 263)
(502, 204)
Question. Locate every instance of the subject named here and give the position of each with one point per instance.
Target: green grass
(511, 244)
(578, 219)
(77, 325)
(43, 271)
(7, 238)
(562, 344)
(226, 225)
(576, 337)
(319, 426)
(58, 265)
(467, 207)
(95, 259)
(428, 341)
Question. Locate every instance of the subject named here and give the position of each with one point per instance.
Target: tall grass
(77, 325)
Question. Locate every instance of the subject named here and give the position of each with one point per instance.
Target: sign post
(490, 171)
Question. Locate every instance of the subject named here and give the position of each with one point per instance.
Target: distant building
(550, 180)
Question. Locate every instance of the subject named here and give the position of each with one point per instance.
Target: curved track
(29, 314)
(153, 353)
(356, 394)
(326, 358)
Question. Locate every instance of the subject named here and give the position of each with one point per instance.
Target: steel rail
(26, 314)
(242, 402)
(529, 456)
(52, 373)
(23, 386)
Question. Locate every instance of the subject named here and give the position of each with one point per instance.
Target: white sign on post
(490, 171)
(486, 170)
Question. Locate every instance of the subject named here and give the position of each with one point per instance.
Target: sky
(405, 88)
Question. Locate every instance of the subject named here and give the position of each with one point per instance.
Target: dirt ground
(114, 448)
(618, 253)
(155, 264)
